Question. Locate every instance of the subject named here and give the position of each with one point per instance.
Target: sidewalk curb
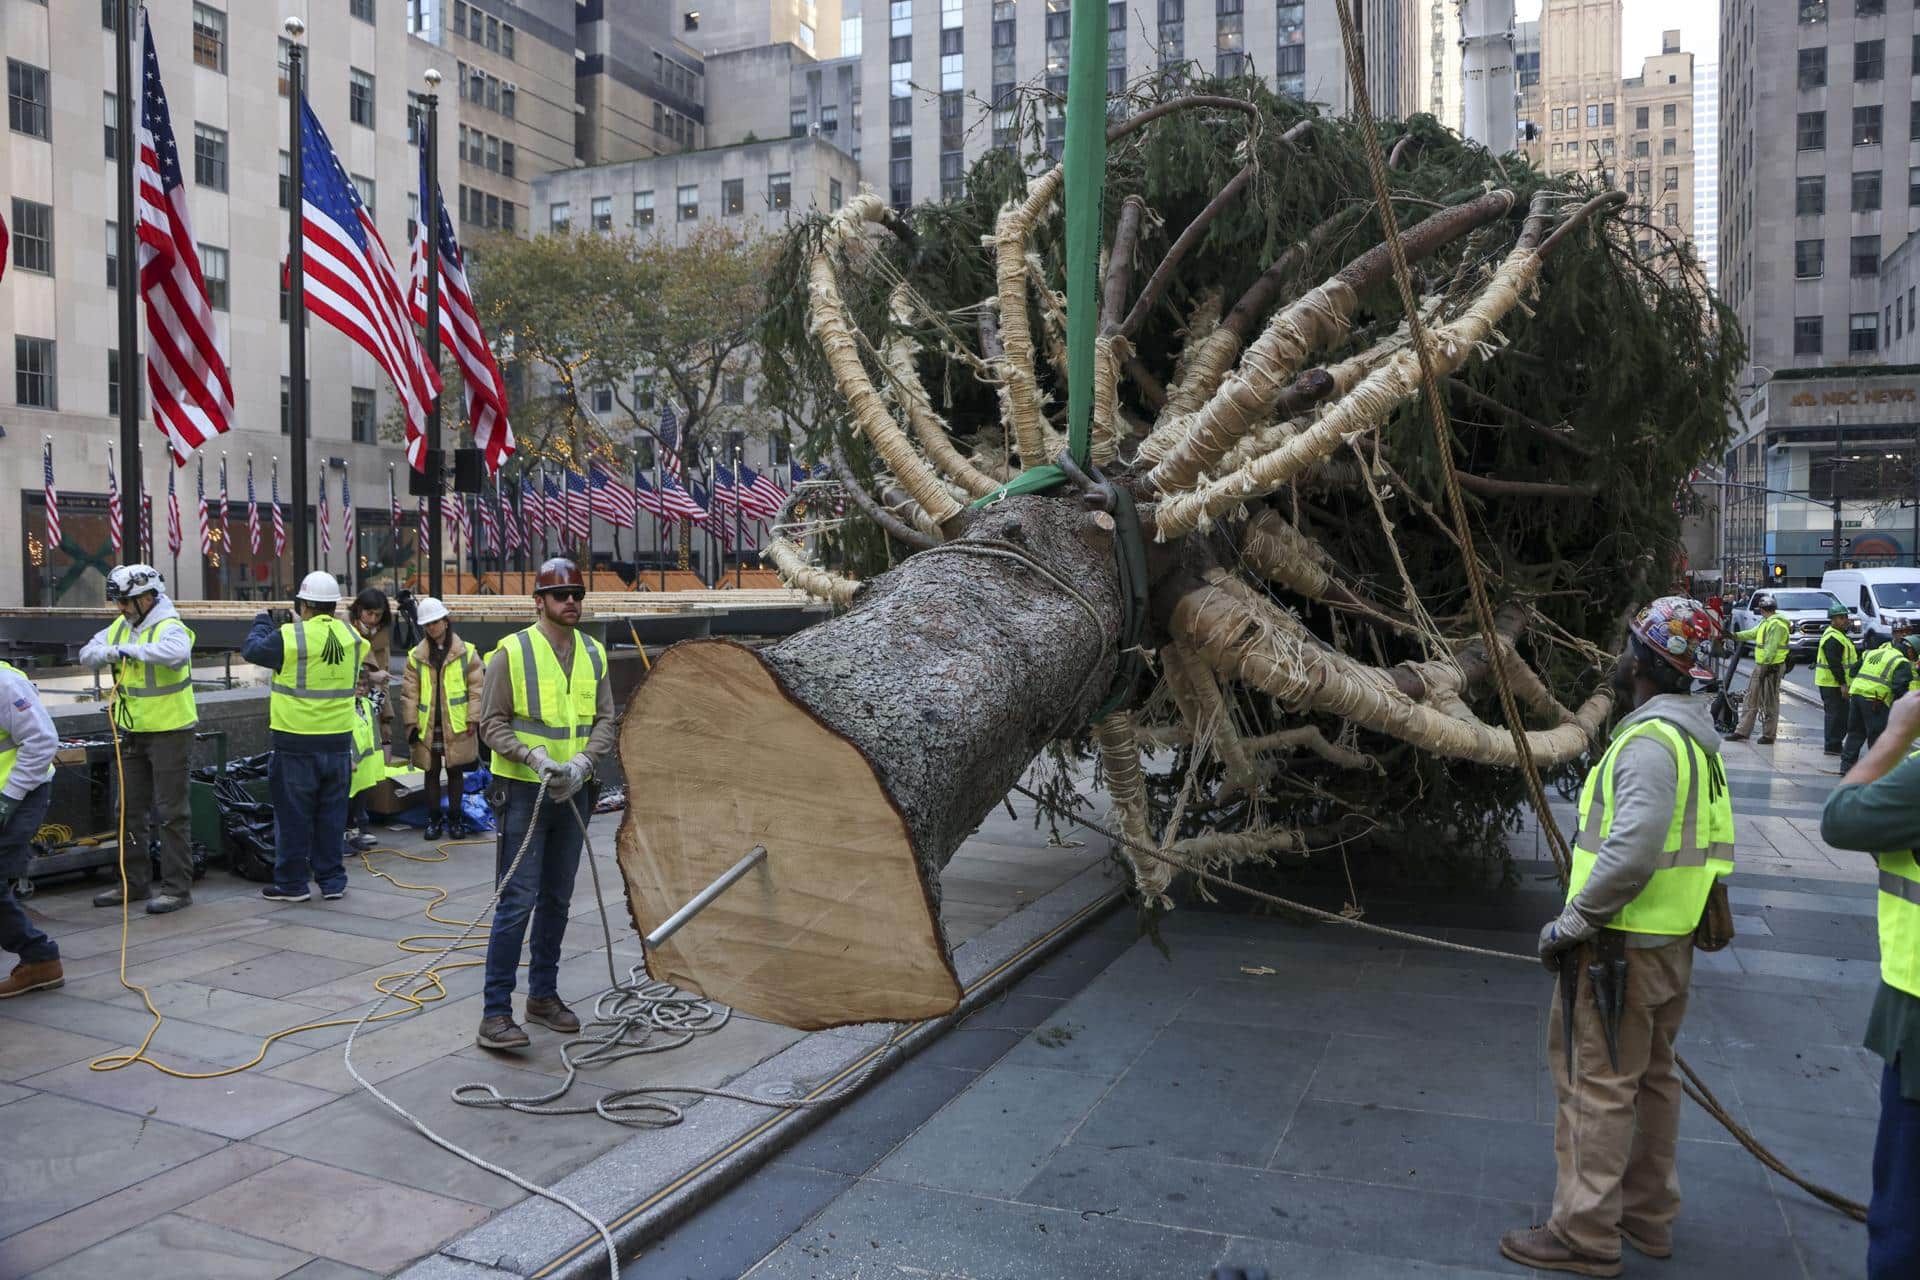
(649, 1184)
(1800, 695)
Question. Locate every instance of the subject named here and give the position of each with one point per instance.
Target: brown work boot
(1653, 1246)
(113, 897)
(549, 1012)
(1766, 741)
(32, 975)
(1539, 1248)
(1735, 737)
(501, 1032)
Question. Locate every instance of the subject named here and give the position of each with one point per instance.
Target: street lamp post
(430, 219)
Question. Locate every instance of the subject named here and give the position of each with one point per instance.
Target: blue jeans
(1893, 1228)
(541, 889)
(17, 933)
(309, 818)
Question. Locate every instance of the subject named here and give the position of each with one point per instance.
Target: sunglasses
(575, 594)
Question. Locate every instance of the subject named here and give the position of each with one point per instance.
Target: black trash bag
(246, 824)
(198, 850)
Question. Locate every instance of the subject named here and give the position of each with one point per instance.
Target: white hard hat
(130, 580)
(428, 609)
(319, 587)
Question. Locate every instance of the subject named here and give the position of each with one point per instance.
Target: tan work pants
(1614, 1132)
(1763, 700)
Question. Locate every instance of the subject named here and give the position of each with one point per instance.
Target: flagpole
(739, 537)
(124, 12)
(430, 219)
(636, 521)
(297, 297)
(670, 526)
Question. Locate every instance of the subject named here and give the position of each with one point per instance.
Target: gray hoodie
(171, 648)
(1645, 780)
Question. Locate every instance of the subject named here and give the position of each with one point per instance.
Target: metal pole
(739, 535)
(1837, 544)
(704, 899)
(662, 527)
(430, 218)
(129, 270)
(297, 297)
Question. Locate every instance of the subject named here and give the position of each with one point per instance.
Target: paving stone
(1394, 1221)
(280, 973)
(1366, 1142)
(336, 945)
(357, 1132)
(13, 1093)
(1450, 1076)
(1210, 1092)
(230, 1010)
(327, 1269)
(882, 1229)
(57, 1154)
(1771, 1020)
(106, 986)
(178, 1248)
(108, 1216)
(1818, 1079)
(1104, 1028)
(855, 1139)
(1827, 1244)
(1028, 1110)
(969, 1048)
(741, 1226)
(1285, 1261)
(1834, 1151)
(236, 1106)
(387, 1049)
(27, 1050)
(333, 1213)
(1480, 982)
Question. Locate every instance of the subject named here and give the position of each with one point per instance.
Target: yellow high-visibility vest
(369, 761)
(310, 695)
(1850, 658)
(1875, 677)
(1699, 843)
(552, 709)
(456, 669)
(9, 751)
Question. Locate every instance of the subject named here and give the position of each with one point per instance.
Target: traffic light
(1779, 572)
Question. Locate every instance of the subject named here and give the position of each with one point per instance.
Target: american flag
(420, 529)
(670, 451)
(51, 493)
(556, 508)
(226, 534)
(726, 495)
(679, 502)
(146, 523)
(484, 389)
(186, 374)
(760, 496)
(206, 521)
(489, 540)
(510, 517)
(326, 522)
(612, 500)
(713, 515)
(253, 511)
(279, 519)
(534, 506)
(347, 522)
(173, 517)
(351, 283)
(393, 507)
(113, 506)
(579, 509)
(455, 513)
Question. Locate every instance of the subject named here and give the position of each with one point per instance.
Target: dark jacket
(262, 648)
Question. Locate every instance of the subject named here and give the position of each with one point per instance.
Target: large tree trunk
(861, 752)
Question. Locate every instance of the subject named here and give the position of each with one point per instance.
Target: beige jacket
(462, 750)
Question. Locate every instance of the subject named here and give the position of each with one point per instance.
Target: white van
(1881, 596)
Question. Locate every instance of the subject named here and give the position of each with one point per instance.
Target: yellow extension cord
(430, 989)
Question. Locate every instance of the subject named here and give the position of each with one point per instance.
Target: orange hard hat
(558, 572)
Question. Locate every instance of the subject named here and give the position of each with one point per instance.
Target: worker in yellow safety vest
(1770, 637)
(546, 710)
(1655, 835)
(315, 659)
(1876, 809)
(1835, 661)
(151, 652)
(27, 746)
(1885, 674)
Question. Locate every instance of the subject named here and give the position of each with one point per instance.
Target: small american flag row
(113, 505)
(393, 507)
(347, 521)
(556, 507)
(326, 522)
(206, 523)
(226, 534)
(534, 507)
(579, 506)
(612, 500)
(187, 380)
(173, 516)
(253, 511)
(489, 526)
(146, 523)
(510, 518)
(760, 495)
(279, 519)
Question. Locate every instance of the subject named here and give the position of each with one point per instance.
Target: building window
(1869, 59)
(1810, 196)
(1670, 180)
(1809, 259)
(507, 163)
(1869, 8)
(506, 41)
(733, 390)
(601, 211)
(1669, 116)
(690, 20)
(27, 109)
(1864, 256)
(110, 115)
(286, 408)
(900, 183)
(359, 97)
(1866, 190)
(1808, 338)
(830, 118)
(1866, 126)
(559, 216)
(209, 38)
(286, 180)
(1672, 215)
(1640, 115)
(1913, 185)
(113, 384)
(850, 37)
(797, 123)
(779, 191)
(34, 384)
(1593, 115)
(286, 72)
(1910, 309)
(1810, 131)
(360, 415)
(1557, 119)
(1813, 11)
(1606, 114)
(643, 208)
(834, 196)
(361, 9)
(113, 255)
(213, 266)
(1863, 333)
(686, 200)
(365, 188)
(1669, 146)
(33, 236)
(210, 156)
(733, 196)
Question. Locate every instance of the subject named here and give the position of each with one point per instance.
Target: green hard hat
(1836, 609)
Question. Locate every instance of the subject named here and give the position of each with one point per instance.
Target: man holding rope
(1877, 808)
(1656, 834)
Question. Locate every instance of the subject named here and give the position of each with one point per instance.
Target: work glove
(580, 771)
(94, 654)
(7, 806)
(1563, 933)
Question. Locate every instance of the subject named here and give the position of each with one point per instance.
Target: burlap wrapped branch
(1281, 553)
(1362, 409)
(911, 393)
(1239, 633)
(1020, 389)
(791, 563)
(1127, 789)
(1196, 691)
